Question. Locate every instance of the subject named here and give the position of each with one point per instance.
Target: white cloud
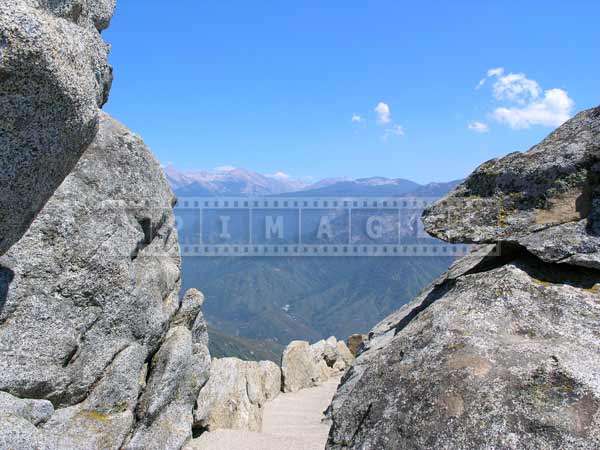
(384, 114)
(224, 169)
(552, 110)
(516, 87)
(526, 104)
(479, 127)
(480, 84)
(396, 130)
(356, 118)
(497, 72)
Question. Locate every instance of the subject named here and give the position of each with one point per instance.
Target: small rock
(355, 341)
(235, 394)
(327, 351)
(299, 367)
(345, 353)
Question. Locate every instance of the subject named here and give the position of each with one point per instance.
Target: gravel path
(290, 422)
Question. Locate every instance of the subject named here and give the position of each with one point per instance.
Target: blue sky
(273, 86)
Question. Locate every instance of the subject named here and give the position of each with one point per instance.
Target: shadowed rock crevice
(151, 230)
(6, 277)
(510, 253)
(519, 255)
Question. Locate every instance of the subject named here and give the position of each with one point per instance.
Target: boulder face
(299, 367)
(90, 317)
(345, 355)
(326, 350)
(503, 350)
(546, 199)
(235, 394)
(54, 77)
(85, 282)
(354, 343)
(304, 366)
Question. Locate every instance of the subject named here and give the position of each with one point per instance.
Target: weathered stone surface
(572, 243)
(192, 304)
(355, 341)
(90, 317)
(331, 340)
(166, 370)
(299, 367)
(546, 199)
(331, 357)
(76, 428)
(18, 433)
(344, 353)
(85, 284)
(96, 13)
(338, 367)
(270, 374)
(326, 350)
(105, 417)
(190, 310)
(235, 394)
(34, 411)
(324, 371)
(499, 359)
(177, 373)
(53, 79)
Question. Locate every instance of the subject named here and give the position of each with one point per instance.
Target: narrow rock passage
(290, 422)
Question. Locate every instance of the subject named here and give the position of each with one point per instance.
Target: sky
(314, 89)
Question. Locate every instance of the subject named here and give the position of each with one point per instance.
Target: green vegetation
(283, 299)
(224, 345)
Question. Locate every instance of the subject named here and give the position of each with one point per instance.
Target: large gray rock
(53, 79)
(235, 394)
(503, 350)
(86, 283)
(90, 317)
(299, 367)
(492, 359)
(546, 199)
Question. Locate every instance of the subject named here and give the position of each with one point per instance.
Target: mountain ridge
(243, 182)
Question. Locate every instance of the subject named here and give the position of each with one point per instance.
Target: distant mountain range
(255, 305)
(241, 182)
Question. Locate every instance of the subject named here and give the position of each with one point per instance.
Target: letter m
(273, 226)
